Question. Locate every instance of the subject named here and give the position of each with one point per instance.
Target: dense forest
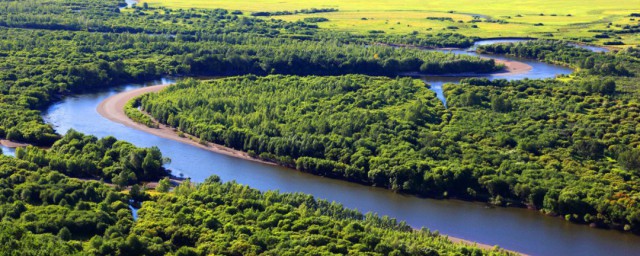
(45, 211)
(324, 102)
(560, 52)
(567, 147)
(74, 196)
(231, 219)
(106, 159)
(54, 47)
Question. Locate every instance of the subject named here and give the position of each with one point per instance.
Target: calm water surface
(130, 3)
(516, 229)
(8, 151)
(539, 70)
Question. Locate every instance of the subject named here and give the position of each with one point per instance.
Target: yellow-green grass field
(561, 19)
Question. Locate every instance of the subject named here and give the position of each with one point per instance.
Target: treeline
(441, 18)
(303, 11)
(132, 111)
(231, 219)
(440, 40)
(39, 65)
(200, 24)
(566, 148)
(45, 212)
(315, 19)
(106, 159)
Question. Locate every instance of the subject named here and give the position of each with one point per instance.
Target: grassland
(570, 19)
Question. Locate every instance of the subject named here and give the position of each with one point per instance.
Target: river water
(7, 150)
(130, 3)
(539, 70)
(516, 229)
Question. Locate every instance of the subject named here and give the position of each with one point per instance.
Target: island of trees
(565, 147)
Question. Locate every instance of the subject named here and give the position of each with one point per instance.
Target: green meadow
(569, 19)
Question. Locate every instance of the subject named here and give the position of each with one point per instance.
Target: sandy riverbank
(481, 246)
(112, 108)
(12, 144)
(513, 68)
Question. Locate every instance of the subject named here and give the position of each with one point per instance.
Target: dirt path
(113, 109)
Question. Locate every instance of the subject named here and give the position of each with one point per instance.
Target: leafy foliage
(87, 157)
(548, 144)
(131, 110)
(352, 127)
(231, 219)
(46, 212)
(54, 47)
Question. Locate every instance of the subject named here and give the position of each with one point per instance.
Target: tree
(590, 149)
(64, 234)
(121, 180)
(14, 134)
(186, 251)
(164, 185)
(608, 87)
(501, 104)
(137, 194)
(150, 165)
(630, 160)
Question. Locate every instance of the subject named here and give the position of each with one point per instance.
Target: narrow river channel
(516, 229)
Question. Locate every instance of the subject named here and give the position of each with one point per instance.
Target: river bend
(515, 229)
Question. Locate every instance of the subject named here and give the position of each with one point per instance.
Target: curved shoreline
(112, 108)
(512, 67)
(13, 144)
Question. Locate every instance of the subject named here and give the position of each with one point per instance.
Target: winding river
(538, 70)
(516, 229)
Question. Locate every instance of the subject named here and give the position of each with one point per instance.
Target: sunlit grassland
(561, 19)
